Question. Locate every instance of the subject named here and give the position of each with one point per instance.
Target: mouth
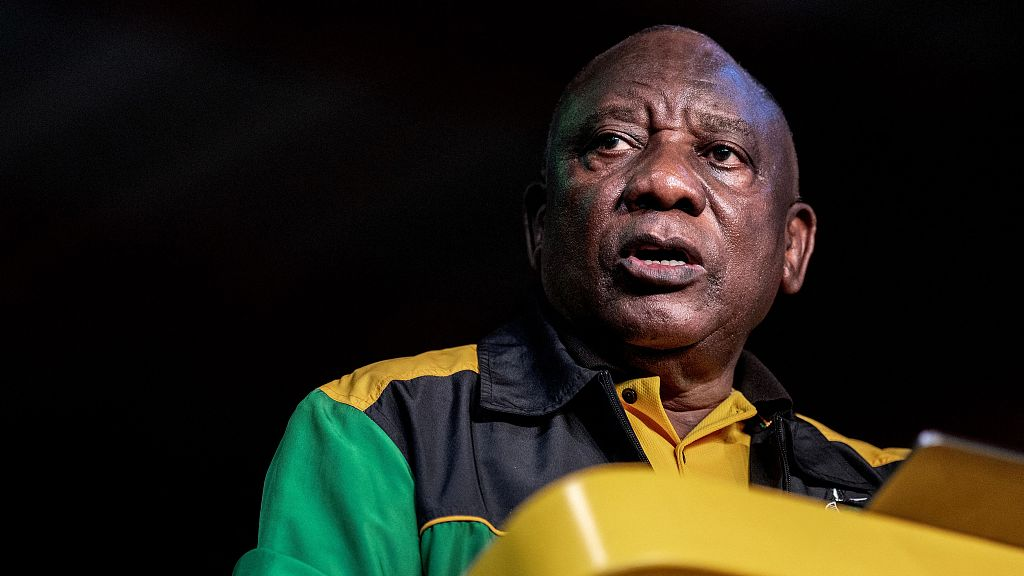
(661, 263)
(661, 256)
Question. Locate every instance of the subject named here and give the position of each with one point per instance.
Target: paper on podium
(624, 520)
(958, 484)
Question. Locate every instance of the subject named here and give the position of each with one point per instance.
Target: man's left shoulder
(873, 455)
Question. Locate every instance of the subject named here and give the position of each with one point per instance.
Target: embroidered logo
(837, 497)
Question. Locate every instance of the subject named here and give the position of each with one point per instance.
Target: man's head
(670, 216)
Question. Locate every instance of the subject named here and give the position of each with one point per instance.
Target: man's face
(669, 179)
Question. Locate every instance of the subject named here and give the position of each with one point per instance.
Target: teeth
(666, 262)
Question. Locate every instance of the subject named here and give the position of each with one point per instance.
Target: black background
(210, 209)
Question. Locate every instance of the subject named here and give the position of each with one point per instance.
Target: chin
(656, 332)
(662, 343)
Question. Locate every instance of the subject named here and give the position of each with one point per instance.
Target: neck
(693, 379)
(691, 386)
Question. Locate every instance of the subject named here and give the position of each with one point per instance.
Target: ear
(535, 201)
(800, 229)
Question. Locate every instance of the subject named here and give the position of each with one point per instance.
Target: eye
(609, 142)
(725, 156)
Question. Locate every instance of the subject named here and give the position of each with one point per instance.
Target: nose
(664, 180)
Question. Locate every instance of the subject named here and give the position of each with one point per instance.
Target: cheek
(572, 259)
(581, 216)
(756, 245)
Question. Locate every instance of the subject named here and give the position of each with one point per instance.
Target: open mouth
(660, 264)
(666, 252)
(662, 256)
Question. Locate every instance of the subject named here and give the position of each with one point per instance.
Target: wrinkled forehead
(672, 72)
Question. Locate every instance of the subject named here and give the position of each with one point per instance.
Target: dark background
(210, 209)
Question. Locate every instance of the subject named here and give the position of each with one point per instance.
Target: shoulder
(874, 455)
(363, 386)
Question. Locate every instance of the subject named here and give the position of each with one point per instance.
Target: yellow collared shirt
(717, 447)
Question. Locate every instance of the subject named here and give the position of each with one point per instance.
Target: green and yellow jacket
(410, 466)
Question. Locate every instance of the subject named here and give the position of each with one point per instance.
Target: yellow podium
(623, 520)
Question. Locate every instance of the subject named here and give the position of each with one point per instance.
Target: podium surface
(624, 520)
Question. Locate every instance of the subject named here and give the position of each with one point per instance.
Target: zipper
(609, 390)
(783, 455)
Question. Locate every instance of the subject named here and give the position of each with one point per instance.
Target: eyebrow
(708, 121)
(718, 123)
(624, 113)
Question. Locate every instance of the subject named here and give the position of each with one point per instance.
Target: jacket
(410, 465)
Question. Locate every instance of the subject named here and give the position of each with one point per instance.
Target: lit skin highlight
(669, 219)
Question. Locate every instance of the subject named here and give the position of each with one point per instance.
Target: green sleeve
(338, 499)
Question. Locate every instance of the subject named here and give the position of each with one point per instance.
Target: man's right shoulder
(363, 386)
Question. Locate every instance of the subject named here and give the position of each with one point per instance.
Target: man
(668, 221)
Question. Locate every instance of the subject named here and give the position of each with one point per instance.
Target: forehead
(668, 75)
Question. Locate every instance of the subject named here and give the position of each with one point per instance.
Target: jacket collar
(757, 383)
(526, 369)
